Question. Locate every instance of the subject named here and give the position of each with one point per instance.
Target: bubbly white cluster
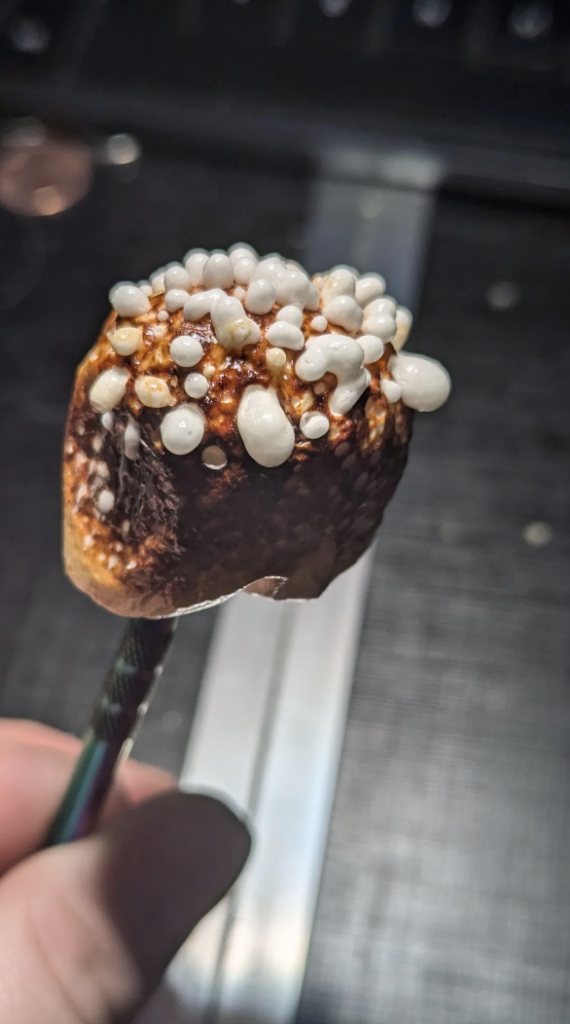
(351, 321)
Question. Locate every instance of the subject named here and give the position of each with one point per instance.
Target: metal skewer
(121, 706)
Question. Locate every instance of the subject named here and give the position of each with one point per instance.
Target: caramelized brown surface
(181, 534)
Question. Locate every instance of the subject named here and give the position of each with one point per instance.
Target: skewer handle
(117, 715)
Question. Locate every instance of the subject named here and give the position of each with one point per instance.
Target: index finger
(36, 763)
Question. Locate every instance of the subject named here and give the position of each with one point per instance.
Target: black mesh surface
(446, 892)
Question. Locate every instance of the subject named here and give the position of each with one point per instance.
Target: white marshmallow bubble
(182, 429)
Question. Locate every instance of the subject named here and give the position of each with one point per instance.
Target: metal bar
(385, 229)
(266, 947)
(269, 728)
(223, 756)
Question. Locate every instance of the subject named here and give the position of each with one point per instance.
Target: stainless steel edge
(271, 717)
(266, 947)
(222, 757)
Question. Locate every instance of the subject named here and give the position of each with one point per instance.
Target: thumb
(88, 929)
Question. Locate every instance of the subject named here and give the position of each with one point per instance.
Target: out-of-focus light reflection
(48, 200)
(371, 204)
(530, 21)
(334, 8)
(431, 13)
(449, 531)
(538, 534)
(122, 149)
(503, 295)
(171, 721)
(43, 179)
(26, 131)
(29, 35)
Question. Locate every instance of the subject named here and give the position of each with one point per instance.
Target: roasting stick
(119, 711)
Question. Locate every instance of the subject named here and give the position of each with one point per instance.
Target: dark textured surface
(446, 891)
(464, 71)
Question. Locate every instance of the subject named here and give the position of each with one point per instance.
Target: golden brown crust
(179, 534)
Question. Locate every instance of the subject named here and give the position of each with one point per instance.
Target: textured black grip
(135, 670)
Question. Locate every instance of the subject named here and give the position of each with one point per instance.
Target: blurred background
(427, 140)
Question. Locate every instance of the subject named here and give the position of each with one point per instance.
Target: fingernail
(169, 861)
(237, 811)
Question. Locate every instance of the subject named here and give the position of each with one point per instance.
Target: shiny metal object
(271, 717)
(224, 756)
(265, 950)
(268, 736)
(375, 228)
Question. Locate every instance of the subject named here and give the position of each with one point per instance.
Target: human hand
(87, 929)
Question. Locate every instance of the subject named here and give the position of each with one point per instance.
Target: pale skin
(87, 929)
